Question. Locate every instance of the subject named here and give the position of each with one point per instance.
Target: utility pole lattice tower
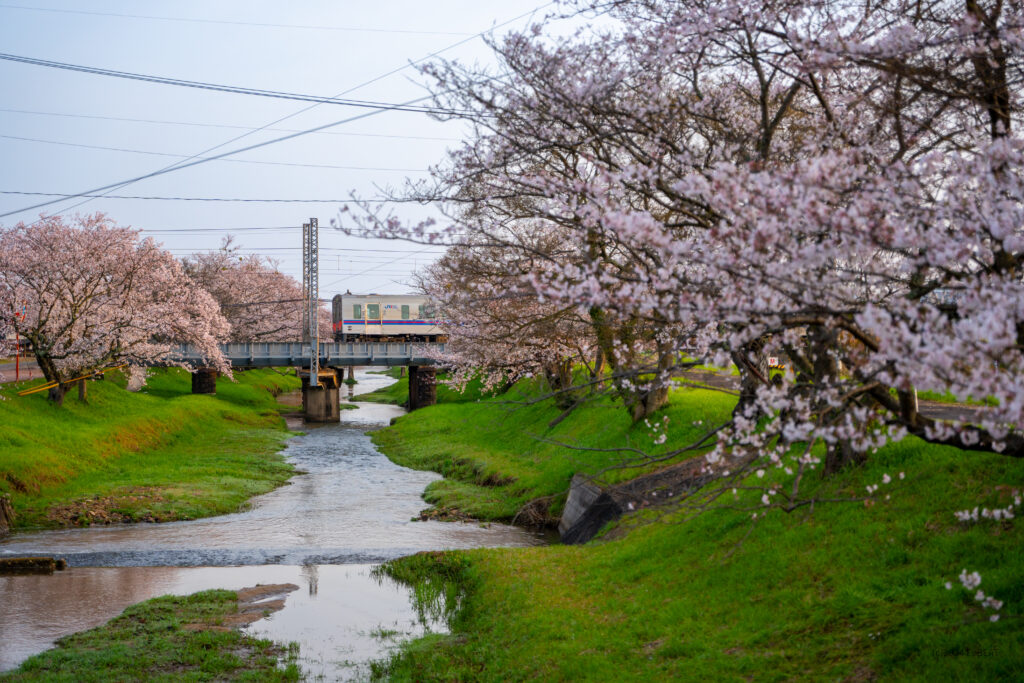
(311, 297)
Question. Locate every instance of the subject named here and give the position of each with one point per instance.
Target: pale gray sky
(313, 47)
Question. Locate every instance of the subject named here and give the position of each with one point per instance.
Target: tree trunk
(81, 391)
(639, 402)
(56, 394)
(598, 364)
(752, 362)
(821, 342)
(647, 401)
(645, 404)
(559, 378)
(49, 370)
(840, 455)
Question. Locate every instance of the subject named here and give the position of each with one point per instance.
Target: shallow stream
(352, 508)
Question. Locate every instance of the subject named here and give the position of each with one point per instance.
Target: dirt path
(934, 409)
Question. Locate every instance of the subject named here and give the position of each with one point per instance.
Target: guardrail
(278, 354)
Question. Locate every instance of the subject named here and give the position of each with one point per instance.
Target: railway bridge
(320, 398)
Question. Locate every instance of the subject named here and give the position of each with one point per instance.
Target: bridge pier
(320, 403)
(204, 381)
(422, 386)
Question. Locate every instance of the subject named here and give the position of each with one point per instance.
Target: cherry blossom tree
(836, 182)
(259, 301)
(901, 180)
(502, 332)
(87, 294)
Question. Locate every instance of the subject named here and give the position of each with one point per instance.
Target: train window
(420, 313)
(405, 311)
(357, 311)
(373, 311)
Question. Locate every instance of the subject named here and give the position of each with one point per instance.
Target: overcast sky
(313, 47)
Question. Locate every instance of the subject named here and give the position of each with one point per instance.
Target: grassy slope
(149, 642)
(499, 454)
(398, 393)
(158, 454)
(845, 591)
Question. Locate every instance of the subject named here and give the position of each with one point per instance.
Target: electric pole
(311, 296)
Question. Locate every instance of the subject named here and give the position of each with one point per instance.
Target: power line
(203, 160)
(349, 277)
(221, 125)
(186, 156)
(177, 199)
(238, 90)
(183, 165)
(411, 254)
(354, 29)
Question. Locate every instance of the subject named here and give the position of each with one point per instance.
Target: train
(385, 317)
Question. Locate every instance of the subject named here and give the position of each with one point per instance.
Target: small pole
(17, 358)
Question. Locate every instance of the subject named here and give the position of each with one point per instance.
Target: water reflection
(351, 508)
(352, 505)
(343, 619)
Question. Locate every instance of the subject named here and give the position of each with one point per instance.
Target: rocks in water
(31, 565)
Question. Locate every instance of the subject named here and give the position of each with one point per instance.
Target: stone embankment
(590, 507)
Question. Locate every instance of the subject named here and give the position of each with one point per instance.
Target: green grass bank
(498, 454)
(398, 393)
(845, 591)
(164, 639)
(160, 454)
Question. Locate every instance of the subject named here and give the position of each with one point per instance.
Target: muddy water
(352, 507)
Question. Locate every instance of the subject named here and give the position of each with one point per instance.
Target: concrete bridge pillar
(320, 403)
(204, 381)
(422, 386)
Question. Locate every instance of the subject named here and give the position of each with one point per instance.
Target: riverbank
(348, 507)
(398, 393)
(502, 453)
(194, 637)
(842, 591)
(156, 455)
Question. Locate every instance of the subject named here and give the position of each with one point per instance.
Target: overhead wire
(179, 199)
(354, 29)
(233, 89)
(186, 156)
(222, 125)
(364, 272)
(194, 161)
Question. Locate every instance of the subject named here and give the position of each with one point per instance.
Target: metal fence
(267, 354)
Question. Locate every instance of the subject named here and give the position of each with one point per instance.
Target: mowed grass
(499, 453)
(843, 591)
(159, 454)
(164, 639)
(398, 393)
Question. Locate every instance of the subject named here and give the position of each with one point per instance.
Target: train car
(385, 317)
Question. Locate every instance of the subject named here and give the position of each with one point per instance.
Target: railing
(267, 354)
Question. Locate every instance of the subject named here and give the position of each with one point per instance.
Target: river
(350, 509)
